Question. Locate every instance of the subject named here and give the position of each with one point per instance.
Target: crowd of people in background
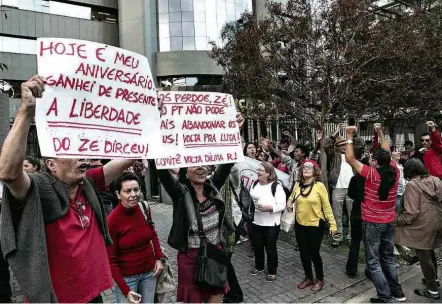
(92, 215)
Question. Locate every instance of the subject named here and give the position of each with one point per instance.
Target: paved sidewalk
(338, 287)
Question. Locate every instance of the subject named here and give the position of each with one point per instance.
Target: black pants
(97, 299)
(5, 287)
(309, 241)
(265, 238)
(235, 294)
(427, 259)
(355, 244)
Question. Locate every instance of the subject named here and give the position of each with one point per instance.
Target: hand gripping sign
(198, 128)
(100, 101)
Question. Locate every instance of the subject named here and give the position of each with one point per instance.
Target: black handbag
(246, 204)
(211, 264)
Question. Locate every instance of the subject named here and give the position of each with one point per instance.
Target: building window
(189, 81)
(101, 14)
(201, 22)
(18, 46)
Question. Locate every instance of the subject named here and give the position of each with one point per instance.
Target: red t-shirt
(77, 257)
(280, 166)
(135, 247)
(372, 209)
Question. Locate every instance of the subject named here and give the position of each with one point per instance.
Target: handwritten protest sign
(248, 170)
(198, 128)
(100, 101)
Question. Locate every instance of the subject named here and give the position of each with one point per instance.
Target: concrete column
(138, 28)
(4, 117)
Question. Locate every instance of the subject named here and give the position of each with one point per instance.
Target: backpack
(245, 203)
(275, 185)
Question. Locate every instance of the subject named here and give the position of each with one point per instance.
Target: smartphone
(351, 121)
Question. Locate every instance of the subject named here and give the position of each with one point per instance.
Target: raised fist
(431, 124)
(377, 127)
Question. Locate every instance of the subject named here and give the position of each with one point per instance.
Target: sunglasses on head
(425, 140)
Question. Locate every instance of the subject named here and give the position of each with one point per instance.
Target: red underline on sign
(89, 128)
(92, 125)
(195, 104)
(187, 146)
(92, 155)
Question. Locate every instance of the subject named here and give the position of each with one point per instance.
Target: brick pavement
(256, 289)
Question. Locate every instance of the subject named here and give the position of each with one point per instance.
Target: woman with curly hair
(250, 150)
(312, 209)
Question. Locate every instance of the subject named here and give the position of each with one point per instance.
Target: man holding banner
(53, 224)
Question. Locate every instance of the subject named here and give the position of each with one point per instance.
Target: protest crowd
(72, 228)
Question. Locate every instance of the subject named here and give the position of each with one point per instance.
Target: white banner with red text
(197, 129)
(99, 102)
(248, 170)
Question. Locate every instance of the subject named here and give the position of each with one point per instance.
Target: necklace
(308, 188)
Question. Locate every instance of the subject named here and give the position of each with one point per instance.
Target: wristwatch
(350, 142)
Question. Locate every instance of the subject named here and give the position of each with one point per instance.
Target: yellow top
(309, 210)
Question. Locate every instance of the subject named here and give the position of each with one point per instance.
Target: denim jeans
(379, 247)
(144, 284)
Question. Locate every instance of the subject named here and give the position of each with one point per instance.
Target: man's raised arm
(349, 152)
(384, 143)
(115, 168)
(14, 147)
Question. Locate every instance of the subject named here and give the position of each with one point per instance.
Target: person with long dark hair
(250, 150)
(416, 224)
(312, 207)
(378, 212)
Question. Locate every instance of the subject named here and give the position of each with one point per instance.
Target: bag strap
(199, 222)
(146, 213)
(232, 188)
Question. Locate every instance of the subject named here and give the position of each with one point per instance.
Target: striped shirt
(373, 209)
(210, 219)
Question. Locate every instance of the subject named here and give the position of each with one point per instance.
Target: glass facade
(63, 9)
(187, 25)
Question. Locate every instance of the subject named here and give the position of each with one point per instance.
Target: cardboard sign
(100, 101)
(248, 170)
(198, 128)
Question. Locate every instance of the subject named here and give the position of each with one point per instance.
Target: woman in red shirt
(135, 255)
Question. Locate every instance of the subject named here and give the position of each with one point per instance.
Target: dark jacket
(334, 158)
(356, 191)
(184, 199)
(24, 245)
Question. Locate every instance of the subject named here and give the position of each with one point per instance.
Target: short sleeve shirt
(78, 260)
(373, 210)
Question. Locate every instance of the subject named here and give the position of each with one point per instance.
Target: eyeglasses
(425, 140)
(80, 207)
(308, 167)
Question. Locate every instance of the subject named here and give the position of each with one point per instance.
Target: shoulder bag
(211, 264)
(288, 218)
